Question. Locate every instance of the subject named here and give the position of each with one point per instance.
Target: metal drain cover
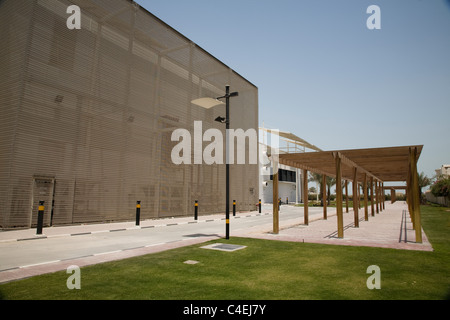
(224, 247)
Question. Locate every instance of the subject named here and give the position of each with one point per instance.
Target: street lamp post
(209, 103)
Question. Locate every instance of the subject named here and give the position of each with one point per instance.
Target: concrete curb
(29, 236)
(23, 272)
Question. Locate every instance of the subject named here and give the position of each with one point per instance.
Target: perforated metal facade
(86, 116)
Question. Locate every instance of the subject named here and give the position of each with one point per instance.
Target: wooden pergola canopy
(369, 167)
(383, 164)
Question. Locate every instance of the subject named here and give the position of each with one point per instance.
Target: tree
(423, 182)
(441, 188)
(330, 182)
(315, 177)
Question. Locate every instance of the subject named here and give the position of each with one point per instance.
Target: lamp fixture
(221, 119)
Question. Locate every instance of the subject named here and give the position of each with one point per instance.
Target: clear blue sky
(323, 75)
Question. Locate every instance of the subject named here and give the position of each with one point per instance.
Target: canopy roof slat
(383, 164)
(295, 139)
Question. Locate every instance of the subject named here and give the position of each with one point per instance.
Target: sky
(324, 76)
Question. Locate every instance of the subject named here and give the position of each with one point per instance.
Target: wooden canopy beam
(352, 164)
(324, 196)
(305, 197)
(415, 194)
(366, 209)
(276, 216)
(346, 196)
(396, 187)
(377, 197)
(298, 165)
(372, 198)
(340, 216)
(355, 198)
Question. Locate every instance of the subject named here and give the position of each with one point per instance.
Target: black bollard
(234, 208)
(138, 213)
(40, 221)
(196, 210)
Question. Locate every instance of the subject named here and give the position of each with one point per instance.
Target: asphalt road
(20, 254)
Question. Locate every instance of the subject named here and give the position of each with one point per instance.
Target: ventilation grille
(93, 110)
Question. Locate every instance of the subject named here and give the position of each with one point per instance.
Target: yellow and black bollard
(138, 213)
(259, 205)
(234, 208)
(196, 210)
(40, 221)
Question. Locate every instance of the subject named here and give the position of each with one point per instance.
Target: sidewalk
(11, 236)
(383, 231)
(84, 229)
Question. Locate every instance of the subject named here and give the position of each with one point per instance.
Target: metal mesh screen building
(86, 116)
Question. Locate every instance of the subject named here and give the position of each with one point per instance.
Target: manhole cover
(200, 235)
(224, 247)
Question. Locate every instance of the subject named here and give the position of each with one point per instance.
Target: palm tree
(330, 182)
(423, 182)
(315, 177)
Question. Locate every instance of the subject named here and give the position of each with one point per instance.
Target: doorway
(43, 190)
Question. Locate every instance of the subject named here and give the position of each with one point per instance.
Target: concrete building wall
(290, 190)
(86, 116)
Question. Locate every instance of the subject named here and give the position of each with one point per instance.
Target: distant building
(443, 171)
(289, 179)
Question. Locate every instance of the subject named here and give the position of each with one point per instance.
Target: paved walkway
(13, 236)
(83, 229)
(383, 230)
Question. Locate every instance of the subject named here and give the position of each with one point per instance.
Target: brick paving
(383, 230)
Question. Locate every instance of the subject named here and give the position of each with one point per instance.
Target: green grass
(269, 270)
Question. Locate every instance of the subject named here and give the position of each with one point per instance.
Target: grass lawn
(265, 270)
